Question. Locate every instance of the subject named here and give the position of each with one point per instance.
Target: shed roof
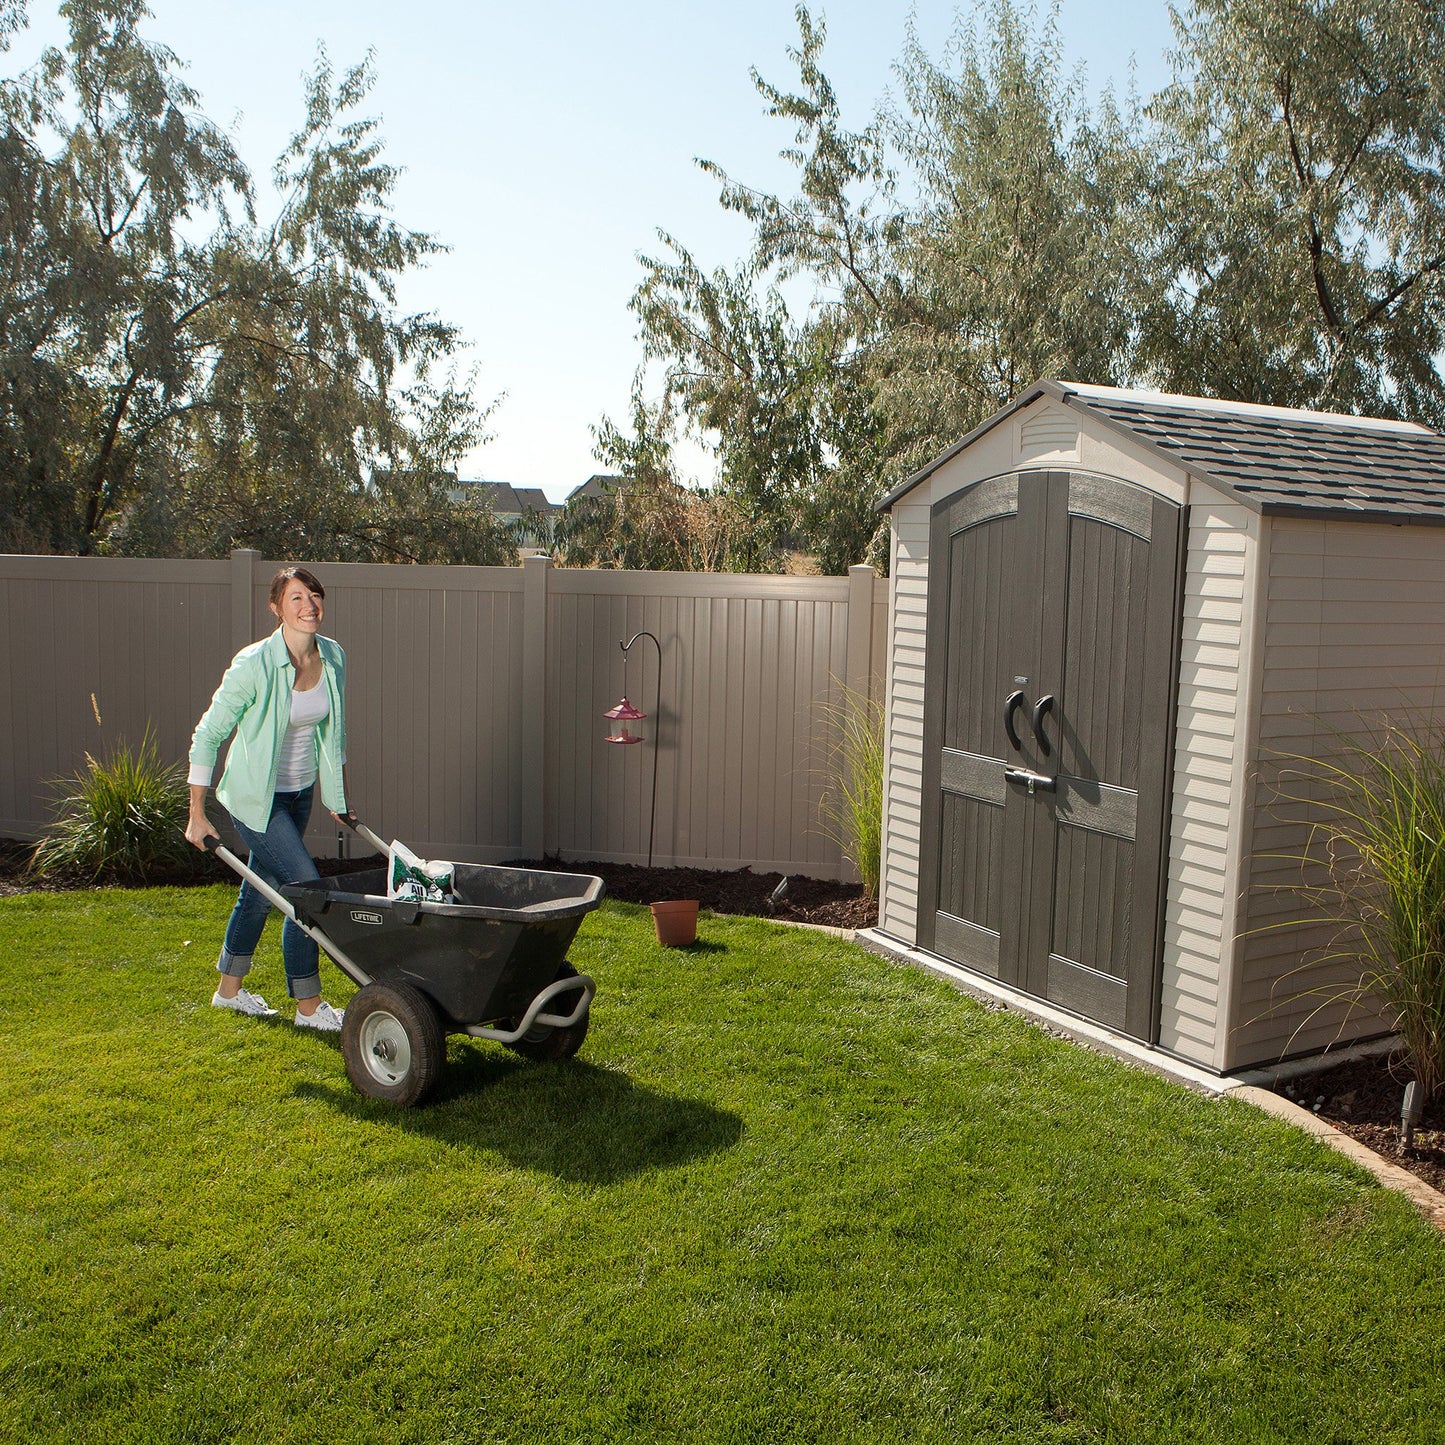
(1276, 460)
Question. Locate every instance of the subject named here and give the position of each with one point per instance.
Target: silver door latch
(1035, 782)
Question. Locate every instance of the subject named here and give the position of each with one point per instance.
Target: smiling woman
(281, 703)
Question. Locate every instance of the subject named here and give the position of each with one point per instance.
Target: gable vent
(1048, 434)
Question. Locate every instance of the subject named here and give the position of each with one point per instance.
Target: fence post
(534, 705)
(243, 587)
(859, 678)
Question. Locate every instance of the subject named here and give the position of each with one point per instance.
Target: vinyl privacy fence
(475, 697)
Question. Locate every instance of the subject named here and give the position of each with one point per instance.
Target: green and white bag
(414, 880)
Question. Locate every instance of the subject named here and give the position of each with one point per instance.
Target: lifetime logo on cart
(357, 916)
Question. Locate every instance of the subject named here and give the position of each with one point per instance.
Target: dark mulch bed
(196, 870)
(1361, 1099)
(804, 900)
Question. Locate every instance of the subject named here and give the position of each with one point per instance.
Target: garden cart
(492, 964)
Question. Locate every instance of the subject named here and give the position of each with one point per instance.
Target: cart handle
(279, 901)
(361, 830)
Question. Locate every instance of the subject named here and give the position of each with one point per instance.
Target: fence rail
(475, 697)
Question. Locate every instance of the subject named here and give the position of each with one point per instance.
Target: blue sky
(546, 143)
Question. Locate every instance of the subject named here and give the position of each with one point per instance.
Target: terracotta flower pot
(676, 922)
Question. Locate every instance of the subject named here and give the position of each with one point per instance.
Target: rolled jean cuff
(308, 987)
(238, 965)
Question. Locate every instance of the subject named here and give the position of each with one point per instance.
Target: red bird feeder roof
(624, 710)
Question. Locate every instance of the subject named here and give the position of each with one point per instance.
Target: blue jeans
(279, 855)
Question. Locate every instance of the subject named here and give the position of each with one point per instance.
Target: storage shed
(1110, 609)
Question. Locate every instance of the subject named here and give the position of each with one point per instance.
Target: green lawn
(787, 1192)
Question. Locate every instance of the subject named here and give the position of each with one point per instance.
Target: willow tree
(981, 231)
(180, 375)
(1301, 206)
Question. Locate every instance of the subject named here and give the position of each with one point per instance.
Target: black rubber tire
(393, 1043)
(543, 1043)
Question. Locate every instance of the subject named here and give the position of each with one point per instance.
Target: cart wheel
(393, 1043)
(542, 1042)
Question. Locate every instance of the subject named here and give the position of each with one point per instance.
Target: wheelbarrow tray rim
(313, 895)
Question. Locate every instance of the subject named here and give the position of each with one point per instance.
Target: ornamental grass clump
(853, 803)
(1377, 838)
(118, 818)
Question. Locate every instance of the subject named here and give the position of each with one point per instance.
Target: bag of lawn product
(414, 880)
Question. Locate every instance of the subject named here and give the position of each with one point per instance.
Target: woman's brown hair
(305, 578)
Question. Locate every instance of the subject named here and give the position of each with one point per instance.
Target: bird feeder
(619, 717)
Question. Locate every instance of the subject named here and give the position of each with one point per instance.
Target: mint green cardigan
(254, 702)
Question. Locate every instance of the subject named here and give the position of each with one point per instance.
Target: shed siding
(1209, 758)
(1353, 627)
(903, 762)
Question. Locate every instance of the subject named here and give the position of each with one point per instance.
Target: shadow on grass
(697, 946)
(583, 1124)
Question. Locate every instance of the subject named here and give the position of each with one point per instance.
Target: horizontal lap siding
(1202, 868)
(903, 756)
(1354, 628)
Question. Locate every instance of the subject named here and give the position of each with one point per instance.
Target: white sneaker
(251, 1004)
(324, 1017)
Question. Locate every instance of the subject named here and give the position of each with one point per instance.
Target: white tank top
(298, 748)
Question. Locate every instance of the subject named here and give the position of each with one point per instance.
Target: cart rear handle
(353, 971)
(360, 828)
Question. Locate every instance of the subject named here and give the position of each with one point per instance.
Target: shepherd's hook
(657, 713)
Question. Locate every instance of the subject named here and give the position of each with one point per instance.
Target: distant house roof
(510, 501)
(1276, 460)
(533, 499)
(597, 486)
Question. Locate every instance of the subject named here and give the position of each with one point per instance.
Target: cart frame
(536, 1014)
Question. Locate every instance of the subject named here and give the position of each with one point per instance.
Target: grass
(788, 1192)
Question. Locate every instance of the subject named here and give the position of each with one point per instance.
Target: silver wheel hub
(385, 1048)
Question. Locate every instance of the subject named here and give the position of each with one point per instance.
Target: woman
(283, 699)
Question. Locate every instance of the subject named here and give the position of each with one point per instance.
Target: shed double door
(1053, 618)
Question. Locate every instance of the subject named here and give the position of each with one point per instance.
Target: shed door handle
(1010, 706)
(1042, 708)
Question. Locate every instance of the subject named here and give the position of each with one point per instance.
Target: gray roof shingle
(598, 485)
(1276, 460)
(1288, 466)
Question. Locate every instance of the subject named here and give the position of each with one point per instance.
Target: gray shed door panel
(1051, 586)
